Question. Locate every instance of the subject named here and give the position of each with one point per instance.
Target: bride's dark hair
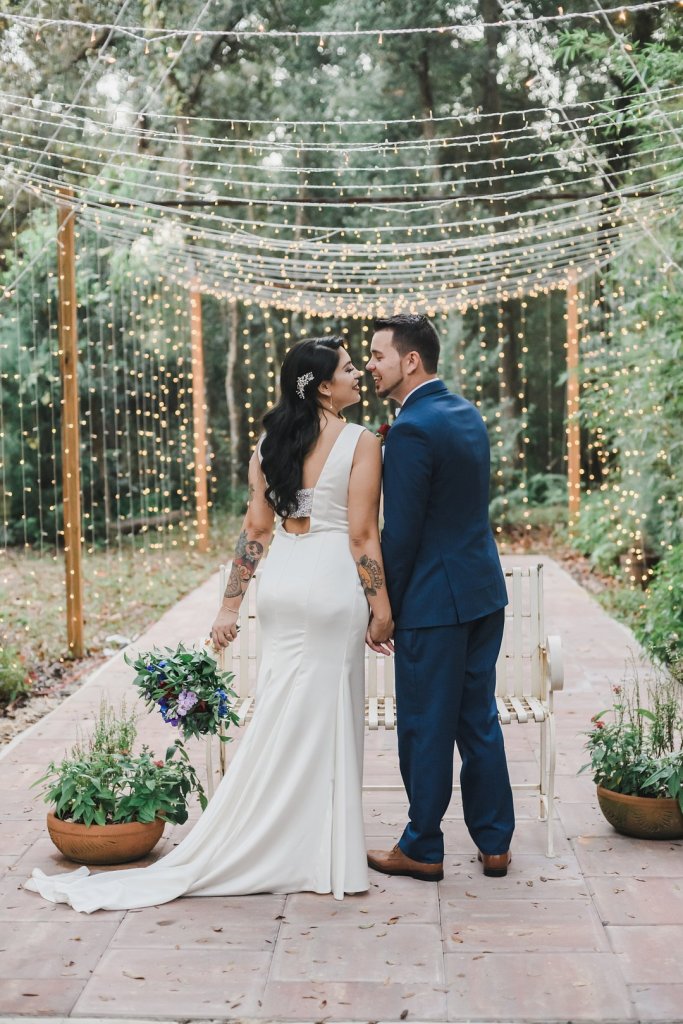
(293, 426)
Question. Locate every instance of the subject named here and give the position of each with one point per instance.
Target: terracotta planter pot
(104, 844)
(643, 817)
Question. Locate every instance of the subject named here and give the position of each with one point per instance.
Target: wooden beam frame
(71, 442)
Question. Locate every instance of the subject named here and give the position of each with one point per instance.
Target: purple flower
(186, 701)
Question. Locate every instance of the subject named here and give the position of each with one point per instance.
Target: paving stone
(619, 855)
(355, 1000)
(225, 922)
(401, 953)
(55, 949)
(388, 901)
(648, 954)
(642, 901)
(548, 872)
(535, 987)
(176, 983)
(44, 997)
(525, 925)
(583, 820)
(658, 1002)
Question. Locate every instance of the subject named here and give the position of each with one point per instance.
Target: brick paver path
(593, 934)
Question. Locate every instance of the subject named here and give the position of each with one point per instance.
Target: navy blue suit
(448, 596)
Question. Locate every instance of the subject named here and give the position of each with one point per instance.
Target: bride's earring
(330, 407)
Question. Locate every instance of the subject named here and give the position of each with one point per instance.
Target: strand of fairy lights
(342, 167)
(212, 255)
(81, 86)
(347, 248)
(131, 204)
(463, 297)
(208, 183)
(498, 134)
(147, 35)
(591, 157)
(418, 241)
(167, 71)
(665, 93)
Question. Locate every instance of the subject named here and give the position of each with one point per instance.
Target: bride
(287, 817)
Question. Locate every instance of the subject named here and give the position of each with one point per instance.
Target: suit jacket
(440, 558)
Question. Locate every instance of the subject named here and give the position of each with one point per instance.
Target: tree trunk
(427, 104)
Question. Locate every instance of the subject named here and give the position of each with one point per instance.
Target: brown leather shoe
(395, 862)
(495, 864)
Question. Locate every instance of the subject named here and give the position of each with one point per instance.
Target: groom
(448, 595)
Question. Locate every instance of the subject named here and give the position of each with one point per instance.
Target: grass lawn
(124, 593)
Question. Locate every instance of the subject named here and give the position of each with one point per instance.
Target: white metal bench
(529, 671)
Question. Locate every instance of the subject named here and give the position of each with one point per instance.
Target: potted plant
(188, 689)
(636, 757)
(109, 804)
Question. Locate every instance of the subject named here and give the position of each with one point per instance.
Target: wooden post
(71, 469)
(199, 419)
(573, 431)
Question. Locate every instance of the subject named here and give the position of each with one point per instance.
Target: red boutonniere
(382, 431)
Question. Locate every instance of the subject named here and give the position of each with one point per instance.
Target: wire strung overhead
(154, 35)
(343, 217)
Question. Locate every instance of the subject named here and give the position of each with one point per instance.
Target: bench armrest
(554, 662)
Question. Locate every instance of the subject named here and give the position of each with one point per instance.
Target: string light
(476, 25)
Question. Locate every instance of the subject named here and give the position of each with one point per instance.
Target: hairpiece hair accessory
(301, 383)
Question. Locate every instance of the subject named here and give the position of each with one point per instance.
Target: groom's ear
(413, 362)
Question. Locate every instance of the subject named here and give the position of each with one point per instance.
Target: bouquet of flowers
(188, 689)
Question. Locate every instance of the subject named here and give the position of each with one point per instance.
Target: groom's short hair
(413, 333)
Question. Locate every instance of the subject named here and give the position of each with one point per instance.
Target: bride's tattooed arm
(248, 554)
(371, 575)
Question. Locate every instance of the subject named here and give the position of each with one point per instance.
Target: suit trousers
(445, 695)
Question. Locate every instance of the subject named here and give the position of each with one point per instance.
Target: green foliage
(632, 397)
(187, 688)
(661, 629)
(102, 782)
(599, 535)
(639, 751)
(542, 502)
(14, 680)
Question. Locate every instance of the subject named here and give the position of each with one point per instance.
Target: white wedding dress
(287, 817)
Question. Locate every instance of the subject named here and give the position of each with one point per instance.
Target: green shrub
(594, 534)
(661, 628)
(14, 679)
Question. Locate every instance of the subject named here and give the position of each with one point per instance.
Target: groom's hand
(379, 636)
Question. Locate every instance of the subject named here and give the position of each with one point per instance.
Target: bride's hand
(379, 636)
(225, 628)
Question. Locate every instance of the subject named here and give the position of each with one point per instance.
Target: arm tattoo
(370, 573)
(247, 556)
